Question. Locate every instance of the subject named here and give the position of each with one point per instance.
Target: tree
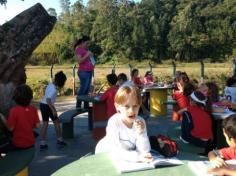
(18, 39)
(52, 12)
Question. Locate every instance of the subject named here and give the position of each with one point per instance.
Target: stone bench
(16, 162)
(67, 120)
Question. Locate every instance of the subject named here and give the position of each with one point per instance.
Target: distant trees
(152, 29)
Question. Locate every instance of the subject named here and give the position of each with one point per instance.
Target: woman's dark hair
(23, 95)
(229, 125)
(60, 79)
(81, 40)
(112, 78)
(200, 96)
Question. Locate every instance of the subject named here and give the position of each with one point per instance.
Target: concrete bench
(67, 120)
(16, 162)
(175, 132)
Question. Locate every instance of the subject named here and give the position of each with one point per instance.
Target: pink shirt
(147, 79)
(85, 65)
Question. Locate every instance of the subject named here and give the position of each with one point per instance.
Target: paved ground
(47, 162)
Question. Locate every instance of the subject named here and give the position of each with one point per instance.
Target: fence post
(130, 69)
(73, 79)
(234, 68)
(150, 66)
(174, 68)
(113, 70)
(202, 71)
(51, 73)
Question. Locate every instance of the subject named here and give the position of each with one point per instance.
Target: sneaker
(61, 143)
(43, 147)
(184, 141)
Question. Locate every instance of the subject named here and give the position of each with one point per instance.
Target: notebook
(123, 166)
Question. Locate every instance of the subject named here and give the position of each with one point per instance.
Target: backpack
(164, 145)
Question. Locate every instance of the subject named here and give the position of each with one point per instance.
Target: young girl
(196, 125)
(48, 109)
(23, 118)
(126, 134)
(218, 157)
(148, 79)
(182, 100)
(136, 79)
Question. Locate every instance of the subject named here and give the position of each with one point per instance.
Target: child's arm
(5, 122)
(222, 171)
(216, 160)
(54, 111)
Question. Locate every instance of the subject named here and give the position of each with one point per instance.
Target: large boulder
(18, 39)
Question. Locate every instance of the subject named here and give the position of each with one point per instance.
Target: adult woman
(86, 66)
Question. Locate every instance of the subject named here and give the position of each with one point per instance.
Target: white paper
(129, 166)
(200, 167)
(92, 59)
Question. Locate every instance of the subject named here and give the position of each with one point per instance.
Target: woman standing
(86, 66)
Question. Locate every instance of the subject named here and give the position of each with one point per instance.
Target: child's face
(204, 90)
(129, 110)
(230, 141)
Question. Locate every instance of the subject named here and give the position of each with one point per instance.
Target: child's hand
(139, 126)
(146, 157)
(217, 170)
(218, 162)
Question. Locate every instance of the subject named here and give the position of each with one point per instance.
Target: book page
(130, 166)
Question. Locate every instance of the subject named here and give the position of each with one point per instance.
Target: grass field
(38, 76)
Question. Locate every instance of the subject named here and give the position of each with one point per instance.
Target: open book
(123, 166)
(200, 167)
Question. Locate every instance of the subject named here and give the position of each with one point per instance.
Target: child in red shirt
(196, 125)
(109, 94)
(136, 79)
(218, 157)
(22, 119)
(181, 81)
(148, 79)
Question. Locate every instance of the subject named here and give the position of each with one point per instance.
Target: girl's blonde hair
(124, 91)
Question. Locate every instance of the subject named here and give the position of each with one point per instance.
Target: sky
(14, 7)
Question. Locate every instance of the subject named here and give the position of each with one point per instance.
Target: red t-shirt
(181, 99)
(228, 153)
(137, 81)
(109, 96)
(23, 120)
(202, 123)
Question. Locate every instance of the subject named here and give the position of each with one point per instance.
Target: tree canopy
(150, 29)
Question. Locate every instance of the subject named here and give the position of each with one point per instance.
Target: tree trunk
(18, 39)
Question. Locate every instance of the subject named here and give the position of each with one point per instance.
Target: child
(182, 100)
(148, 79)
(136, 79)
(48, 109)
(196, 125)
(218, 157)
(126, 134)
(122, 80)
(109, 95)
(230, 90)
(22, 119)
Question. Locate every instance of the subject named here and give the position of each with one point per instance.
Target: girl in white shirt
(126, 134)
